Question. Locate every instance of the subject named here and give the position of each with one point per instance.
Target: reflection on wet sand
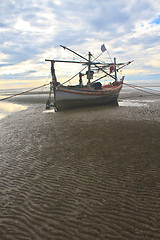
(131, 103)
(7, 107)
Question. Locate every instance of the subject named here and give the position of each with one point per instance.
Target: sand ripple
(75, 175)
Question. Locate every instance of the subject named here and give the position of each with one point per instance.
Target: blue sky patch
(156, 20)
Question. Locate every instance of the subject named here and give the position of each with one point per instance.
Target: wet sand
(91, 173)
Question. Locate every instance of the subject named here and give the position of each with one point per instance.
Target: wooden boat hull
(68, 97)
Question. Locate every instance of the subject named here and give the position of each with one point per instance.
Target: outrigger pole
(89, 62)
(76, 62)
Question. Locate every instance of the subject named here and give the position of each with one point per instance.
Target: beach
(87, 173)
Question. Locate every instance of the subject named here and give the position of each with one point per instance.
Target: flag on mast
(103, 48)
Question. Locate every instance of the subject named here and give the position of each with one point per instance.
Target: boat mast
(53, 85)
(115, 70)
(89, 68)
(54, 79)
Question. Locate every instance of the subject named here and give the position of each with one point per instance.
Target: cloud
(33, 31)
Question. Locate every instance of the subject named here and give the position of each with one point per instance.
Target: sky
(33, 30)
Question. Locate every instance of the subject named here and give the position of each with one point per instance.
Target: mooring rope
(143, 89)
(17, 94)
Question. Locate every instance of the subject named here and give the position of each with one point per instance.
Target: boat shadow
(84, 108)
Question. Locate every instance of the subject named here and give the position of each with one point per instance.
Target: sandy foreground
(91, 173)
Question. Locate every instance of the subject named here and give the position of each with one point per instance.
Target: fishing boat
(92, 93)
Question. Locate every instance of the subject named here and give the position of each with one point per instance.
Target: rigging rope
(79, 71)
